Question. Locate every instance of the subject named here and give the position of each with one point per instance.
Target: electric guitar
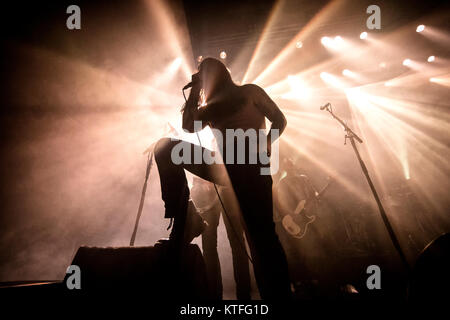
(296, 223)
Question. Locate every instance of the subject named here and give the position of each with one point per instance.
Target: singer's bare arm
(190, 111)
(270, 110)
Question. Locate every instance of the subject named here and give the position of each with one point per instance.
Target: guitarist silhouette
(296, 201)
(296, 204)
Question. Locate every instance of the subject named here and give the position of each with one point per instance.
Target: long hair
(222, 94)
(215, 77)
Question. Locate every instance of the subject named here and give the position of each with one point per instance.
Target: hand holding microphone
(195, 82)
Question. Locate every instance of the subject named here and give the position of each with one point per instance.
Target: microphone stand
(352, 136)
(149, 152)
(144, 189)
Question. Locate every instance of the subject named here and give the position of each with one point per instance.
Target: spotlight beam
(329, 170)
(262, 39)
(158, 10)
(320, 17)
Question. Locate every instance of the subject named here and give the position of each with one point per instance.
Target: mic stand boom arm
(349, 134)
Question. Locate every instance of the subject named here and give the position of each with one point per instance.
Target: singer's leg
(254, 192)
(174, 187)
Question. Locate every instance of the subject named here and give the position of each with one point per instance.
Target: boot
(187, 226)
(195, 225)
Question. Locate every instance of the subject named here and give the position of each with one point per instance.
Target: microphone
(195, 79)
(325, 106)
(189, 85)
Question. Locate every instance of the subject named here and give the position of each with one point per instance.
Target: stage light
(175, 37)
(199, 59)
(223, 55)
(308, 29)
(407, 62)
(299, 90)
(299, 44)
(347, 73)
(403, 157)
(326, 41)
(402, 154)
(363, 35)
(332, 43)
(330, 79)
(431, 58)
(175, 65)
(420, 28)
(443, 80)
(338, 40)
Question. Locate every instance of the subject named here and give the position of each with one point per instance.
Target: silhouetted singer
(228, 106)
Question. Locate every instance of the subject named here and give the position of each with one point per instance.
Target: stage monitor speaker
(152, 269)
(430, 279)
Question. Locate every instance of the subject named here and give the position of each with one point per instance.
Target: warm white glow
(363, 35)
(431, 58)
(406, 170)
(223, 55)
(175, 37)
(331, 79)
(420, 28)
(299, 89)
(338, 40)
(299, 44)
(175, 65)
(332, 43)
(382, 65)
(326, 41)
(443, 80)
(346, 72)
(199, 59)
(407, 62)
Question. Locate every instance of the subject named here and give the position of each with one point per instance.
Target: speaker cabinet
(154, 270)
